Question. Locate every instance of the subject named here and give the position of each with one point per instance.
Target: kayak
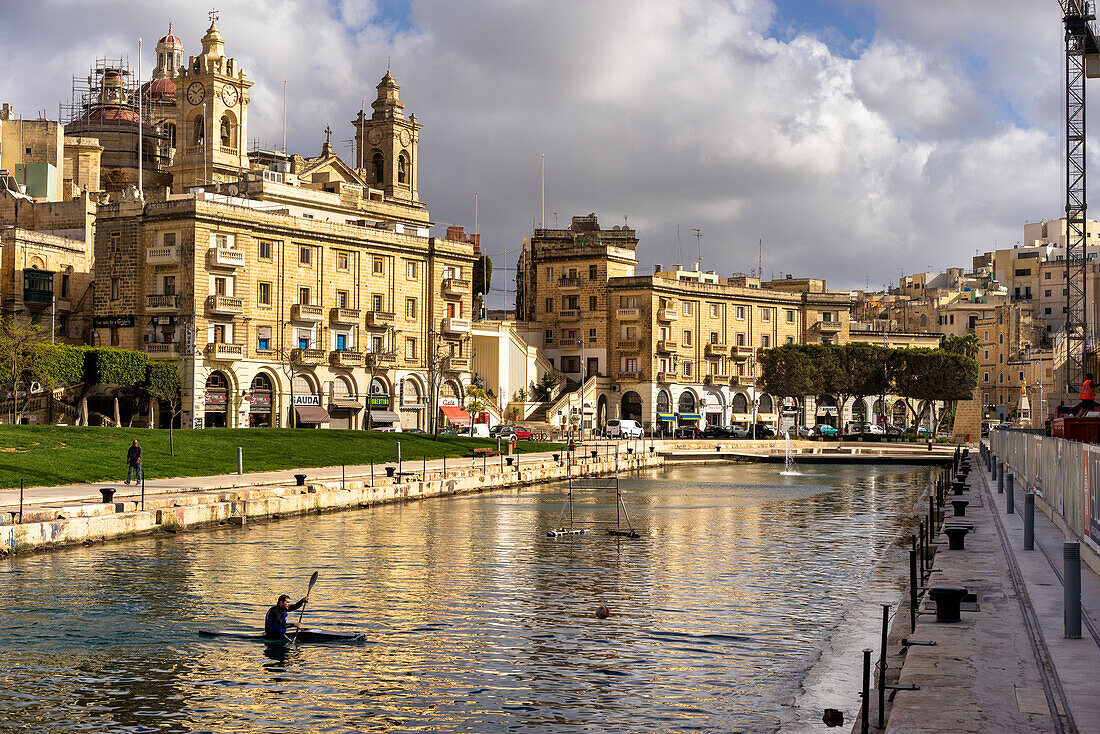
(305, 635)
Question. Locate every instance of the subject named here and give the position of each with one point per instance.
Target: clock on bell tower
(212, 103)
(386, 144)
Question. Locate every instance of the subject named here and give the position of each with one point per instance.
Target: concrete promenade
(1007, 666)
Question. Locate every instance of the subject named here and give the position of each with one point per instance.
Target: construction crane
(1082, 60)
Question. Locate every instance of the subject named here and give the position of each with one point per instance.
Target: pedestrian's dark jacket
(133, 455)
(275, 624)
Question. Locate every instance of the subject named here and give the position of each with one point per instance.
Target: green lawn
(49, 455)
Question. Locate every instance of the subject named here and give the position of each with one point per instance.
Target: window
(741, 313)
(765, 341)
(410, 308)
(114, 289)
(790, 340)
(740, 340)
(628, 302)
(221, 241)
(410, 348)
(1047, 311)
(401, 173)
(168, 239)
(263, 294)
(1000, 338)
(826, 317)
(714, 337)
(341, 261)
(1046, 275)
(1001, 377)
(263, 341)
(987, 354)
(1021, 375)
(1001, 358)
(687, 338)
(1023, 271)
(65, 285)
(687, 368)
(549, 305)
(765, 314)
(220, 286)
(687, 308)
(548, 335)
(714, 310)
(592, 272)
(304, 256)
(378, 268)
(591, 336)
(377, 344)
(303, 296)
(410, 270)
(571, 364)
(376, 164)
(571, 303)
(303, 339)
(376, 302)
(630, 364)
(169, 285)
(219, 333)
(1047, 293)
(263, 250)
(630, 332)
(341, 341)
(591, 303)
(342, 299)
(115, 339)
(549, 274)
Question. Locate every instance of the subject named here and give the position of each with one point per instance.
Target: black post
(882, 668)
(1010, 496)
(866, 690)
(444, 466)
(341, 476)
(372, 472)
(20, 500)
(931, 518)
(1029, 521)
(912, 592)
(141, 468)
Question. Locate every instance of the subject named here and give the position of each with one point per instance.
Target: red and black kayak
(305, 635)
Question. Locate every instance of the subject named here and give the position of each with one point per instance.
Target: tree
(932, 375)
(19, 336)
(476, 400)
(868, 369)
(786, 371)
(541, 390)
(966, 345)
(162, 382)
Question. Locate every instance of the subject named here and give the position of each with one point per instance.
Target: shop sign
(714, 408)
(380, 401)
(261, 401)
(215, 398)
(112, 322)
(448, 402)
(307, 400)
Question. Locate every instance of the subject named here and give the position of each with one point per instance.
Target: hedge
(107, 366)
(59, 364)
(162, 379)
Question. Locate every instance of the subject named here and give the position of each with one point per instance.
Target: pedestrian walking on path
(133, 460)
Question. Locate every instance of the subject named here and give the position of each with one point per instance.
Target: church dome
(158, 89)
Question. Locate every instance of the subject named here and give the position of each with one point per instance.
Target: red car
(522, 434)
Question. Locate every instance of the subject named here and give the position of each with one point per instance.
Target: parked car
(738, 431)
(414, 430)
(763, 431)
(800, 431)
(877, 430)
(446, 432)
(498, 429)
(624, 428)
(715, 432)
(824, 429)
(687, 432)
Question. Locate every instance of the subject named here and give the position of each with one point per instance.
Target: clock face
(374, 136)
(405, 137)
(229, 95)
(196, 93)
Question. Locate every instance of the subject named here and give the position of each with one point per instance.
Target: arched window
(401, 164)
(686, 403)
(199, 130)
(663, 402)
(341, 387)
(225, 132)
(377, 387)
(740, 403)
(261, 382)
(217, 381)
(411, 393)
(766, 404)
(632, 406)
(376, 164)
(923, 320)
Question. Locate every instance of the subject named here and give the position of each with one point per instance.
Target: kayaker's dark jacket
(275, 624)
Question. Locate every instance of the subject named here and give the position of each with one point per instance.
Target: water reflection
(475, 620)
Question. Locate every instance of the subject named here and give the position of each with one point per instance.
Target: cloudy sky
(858, 138)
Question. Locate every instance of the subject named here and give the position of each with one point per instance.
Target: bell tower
(212, 123)
(386, 144)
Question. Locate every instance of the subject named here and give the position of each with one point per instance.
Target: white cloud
(938, 138)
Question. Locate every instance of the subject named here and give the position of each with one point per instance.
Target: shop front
(216, 401)
(380, 414)
(343, 406)
(309, 412)
(261, 403)
(457, 418)
(413, 409)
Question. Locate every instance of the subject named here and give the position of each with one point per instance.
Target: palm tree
(966, 345)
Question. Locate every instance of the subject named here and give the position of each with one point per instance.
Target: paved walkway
(1007, 667)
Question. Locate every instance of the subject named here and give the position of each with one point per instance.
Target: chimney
(456, 233)
(657, 268)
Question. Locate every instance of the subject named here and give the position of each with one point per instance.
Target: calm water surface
(741, 609)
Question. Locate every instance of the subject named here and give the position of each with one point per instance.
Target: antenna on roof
(699, 243)
(679, 250)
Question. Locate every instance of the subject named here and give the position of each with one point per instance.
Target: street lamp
(752, 376)
(580, 343)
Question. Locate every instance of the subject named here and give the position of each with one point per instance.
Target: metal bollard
(912, 591)
(1000, 472)
(240, 460)
(865, 723)
(1010, 501)
(1029, 521)
(931, 518)
(1071, 571)
(882, 667)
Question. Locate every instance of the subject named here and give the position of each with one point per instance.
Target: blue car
(823, 429)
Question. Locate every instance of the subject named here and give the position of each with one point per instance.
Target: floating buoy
(603, 612)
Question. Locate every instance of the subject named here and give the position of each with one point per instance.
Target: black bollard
(956, 535)
(912, 591)
(1029, 521)
(882, 667)
(1010, 506)
(1000, 472)
(948, 601)
(865, 723)
(1071, 571)
(932, 518)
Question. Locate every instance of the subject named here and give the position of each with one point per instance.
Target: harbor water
(742, 607)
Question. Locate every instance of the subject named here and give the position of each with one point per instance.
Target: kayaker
(275, 625)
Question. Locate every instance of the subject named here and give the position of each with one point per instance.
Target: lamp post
(580, 343)
(752, 376)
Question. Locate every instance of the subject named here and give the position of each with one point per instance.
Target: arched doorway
(631, 406)
(740, 404)
(686, 417)
(216, 402)
(767, 405)
(899, 414)
(261, 409)
(827, 412)
(306, 412)
(345, 406)
(412, 405)
(665, 416)
(601, 411)
(859, 414)
(714, 409)
(380, 413)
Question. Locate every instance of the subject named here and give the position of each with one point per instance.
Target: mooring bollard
(1010, 507)
(299, 480)
(932, 517)
(1071, 571)
(865, 722)
(948, 602)
(108, 494)
(956, 535)
(240, 460)
(960, 507)
(1029, 521)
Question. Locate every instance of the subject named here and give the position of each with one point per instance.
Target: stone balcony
(741, 381)
(629, 345)
(453, 325)
(667, 314)
(307, 314)
(569, 284)
(162, 350)
(716, 379)
(455, 287)
(345, 358)
(665, 346)
(308, 356)
(666, 377)
(458, 363)
(225, 257)
(717, 349)
(828, 327)
(629, 375)
(380, 319)
(344, 315)
(224, 351)
(169, 255)
(569, 314)
(229, 305)
(162, 303)
(741, 353)
(628, 314)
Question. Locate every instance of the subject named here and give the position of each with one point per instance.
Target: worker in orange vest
(1088, 397)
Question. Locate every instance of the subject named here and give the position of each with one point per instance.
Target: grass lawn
(49, 455)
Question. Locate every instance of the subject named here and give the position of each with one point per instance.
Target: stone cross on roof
(328, 133)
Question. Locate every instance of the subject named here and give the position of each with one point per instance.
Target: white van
(623, 429)
(481, 430)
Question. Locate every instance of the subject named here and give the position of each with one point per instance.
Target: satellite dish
(233, 190)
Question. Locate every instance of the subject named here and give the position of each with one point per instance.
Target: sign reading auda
(307, 400)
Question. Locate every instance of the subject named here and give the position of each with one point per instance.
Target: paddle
(312, 581)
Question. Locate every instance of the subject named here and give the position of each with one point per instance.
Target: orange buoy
(603, 612)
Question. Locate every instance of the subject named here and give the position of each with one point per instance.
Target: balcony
(716, 379)
(223, 351)
(169, 255)
(380, 319)
(629, 375)
(741, 353)
(828, 327)
(569, 314)
(458, 363)
(308, 356)
(456, 287)
(373, 359)
(717, 349)
(665, 346)
(224, 257)
(452, 325)
(306, 314)
(345, 358)
(167, 350)
(628, 314)
(224, 304)
(666, 377)
(629, 345)
(165, 303)
(569, 283)
(344, 315)
(741, 381)
(666, 314)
